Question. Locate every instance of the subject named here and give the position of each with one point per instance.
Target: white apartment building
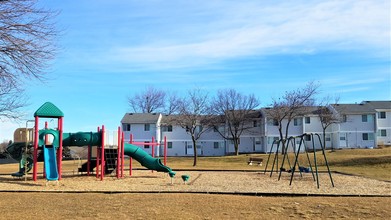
(363, 125)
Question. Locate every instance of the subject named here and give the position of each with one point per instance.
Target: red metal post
(123, 153)
(119, 153)
(36, 136)
(130, 159)
(153, 146)
(59, 151)
(46, 136)
(103, 154)
(45, 143)
(165, 151)
(97, 158)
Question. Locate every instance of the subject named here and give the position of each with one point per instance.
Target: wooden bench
(255, 159)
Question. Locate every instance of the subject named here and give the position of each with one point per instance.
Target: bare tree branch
(194, 116)
(326, 116)
(11, 101)
(27, 37)
(238, 114)
(173, 104)
(292, 105)
(148, 101)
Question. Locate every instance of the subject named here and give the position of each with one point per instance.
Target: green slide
(16, 150)
(145, 159)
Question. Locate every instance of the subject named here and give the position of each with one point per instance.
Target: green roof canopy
(49, 110)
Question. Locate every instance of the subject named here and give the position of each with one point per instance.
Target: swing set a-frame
(291, 146)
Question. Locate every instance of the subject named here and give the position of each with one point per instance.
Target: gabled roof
(167, 119)
(250, 113)
(170, 119)
(354, 108)
(141, 118)
(49, 110)
(379, 104)
(306, 110)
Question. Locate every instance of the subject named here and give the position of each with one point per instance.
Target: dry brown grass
(187, 206)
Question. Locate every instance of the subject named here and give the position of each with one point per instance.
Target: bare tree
(327, 116)
(290, 106)
(11, 101)
(173, 104)
(148, 101)
(27, 37)
(237, 112)
(194, 116)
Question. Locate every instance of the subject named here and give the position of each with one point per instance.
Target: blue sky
(113, 49)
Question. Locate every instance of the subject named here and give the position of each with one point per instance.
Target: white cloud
(246, 29)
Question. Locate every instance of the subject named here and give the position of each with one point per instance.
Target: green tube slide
(145, 159)
(16, 150)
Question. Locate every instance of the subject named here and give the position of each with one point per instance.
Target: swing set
(291, 143)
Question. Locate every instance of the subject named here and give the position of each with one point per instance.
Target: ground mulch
(206, 195)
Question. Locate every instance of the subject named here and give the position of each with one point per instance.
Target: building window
(296, 121)
(270, 140)
(169, 144)
(273, 122)
(382, 133)
(215, 145)
(364, 118)
(255, 123)
(146, 127)
(367, 136)
(307, 120)
(146, 145)
(344, 118)
(328, 137)
(126, 127)
(307, 138)
(257, 141)
(382, 115)
(167, 128)
(342, 137)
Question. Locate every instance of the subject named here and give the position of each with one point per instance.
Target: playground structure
(291, 143)
(28, 142)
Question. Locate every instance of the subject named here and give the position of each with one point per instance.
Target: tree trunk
(285, 140)
(282, 141)
(236, 146)
(195, 152)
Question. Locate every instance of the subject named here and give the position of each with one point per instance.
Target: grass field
(371, 163)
